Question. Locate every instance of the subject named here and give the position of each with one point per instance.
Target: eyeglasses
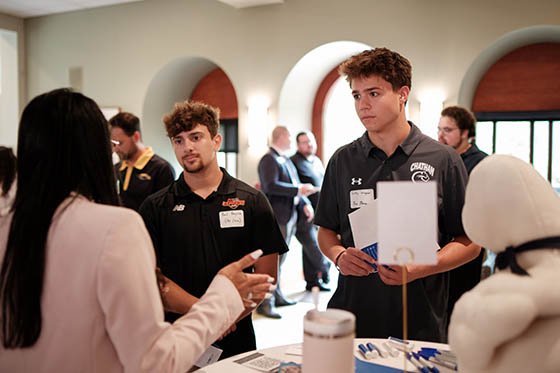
(115, 142)
(446, 129)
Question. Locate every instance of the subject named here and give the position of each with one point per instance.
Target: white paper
(232, 219)
(407, 218)
(260, 362)
(363, 223)
(210, 356)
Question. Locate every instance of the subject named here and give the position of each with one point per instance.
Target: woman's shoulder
(80, 211)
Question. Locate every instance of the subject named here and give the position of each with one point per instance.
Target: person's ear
(217, 142)
(403, 94)
(136, 137)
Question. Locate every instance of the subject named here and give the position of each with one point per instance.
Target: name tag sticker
(360, 198)
(232, 219)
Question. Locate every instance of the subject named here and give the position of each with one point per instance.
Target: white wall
(122, 48)
(12, 89)
(8, 88)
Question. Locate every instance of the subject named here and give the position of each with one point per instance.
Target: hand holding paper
(354, 262)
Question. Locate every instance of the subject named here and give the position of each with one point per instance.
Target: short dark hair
(128, 122)
(188, 114)
(465, 118)
(383, 62)
(301, 134)
(63, 147)
(7, 169)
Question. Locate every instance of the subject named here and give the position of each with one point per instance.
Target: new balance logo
(356, 181)
(179, 208)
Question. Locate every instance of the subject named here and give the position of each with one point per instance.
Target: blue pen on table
(372, 350)
(430, 355)
(391, 350)
(381, 352)
(399, 344)
(425, 363)
(416, 363)
(434, 351)
(365, 352)
(447, 364)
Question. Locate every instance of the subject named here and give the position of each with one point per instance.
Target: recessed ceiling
(249, 3)
(35, 8)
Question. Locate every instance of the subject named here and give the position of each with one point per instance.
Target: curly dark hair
(187, 114)
(465, 118)
(383, 62)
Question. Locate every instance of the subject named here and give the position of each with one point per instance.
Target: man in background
(456, 128)
(281, 185)
(310, 170)
(140, 171)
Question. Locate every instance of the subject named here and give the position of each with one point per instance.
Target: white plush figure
(510, 322)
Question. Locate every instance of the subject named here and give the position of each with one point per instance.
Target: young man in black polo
(391, 149)
(140, 171)
(207, 219)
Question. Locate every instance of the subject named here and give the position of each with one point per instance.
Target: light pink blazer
(101, 307)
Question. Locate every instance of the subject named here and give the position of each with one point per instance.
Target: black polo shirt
(194, 238)
(146, 176)
(310, 170)
(360, 165)
(472, 156)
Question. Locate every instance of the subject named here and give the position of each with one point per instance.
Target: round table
(289, 353)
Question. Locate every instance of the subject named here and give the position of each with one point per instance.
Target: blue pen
(416, 363)
(381, 352)
(399, 344)
(425, 363)
(364, 351)
(447, 364)
(372, 350)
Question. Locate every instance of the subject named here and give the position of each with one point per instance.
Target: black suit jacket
(277, 185)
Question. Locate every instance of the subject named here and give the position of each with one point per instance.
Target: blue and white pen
(372, 350)
(381, 352)
(391, 350)
(425, 363)
(416, 363)
(399, 344)
(365, 352)
(447, 364)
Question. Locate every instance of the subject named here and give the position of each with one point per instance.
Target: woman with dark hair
(78, 288)
(7, 177)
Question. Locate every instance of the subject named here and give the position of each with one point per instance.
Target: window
(227, 156)
(531, 136)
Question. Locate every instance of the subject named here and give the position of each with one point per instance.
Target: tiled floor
(289, 329)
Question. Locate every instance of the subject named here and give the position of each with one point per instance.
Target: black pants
(314, 262)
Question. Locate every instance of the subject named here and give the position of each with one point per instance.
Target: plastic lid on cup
(329, 323)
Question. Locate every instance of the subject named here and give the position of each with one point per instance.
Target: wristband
(337, 258)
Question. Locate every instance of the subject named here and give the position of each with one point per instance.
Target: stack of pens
(385, 349)
(424, 361)
(443, 358)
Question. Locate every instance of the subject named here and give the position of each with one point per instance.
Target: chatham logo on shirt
(179, 207)
(233, 203)
(421, 172)
(356, 181)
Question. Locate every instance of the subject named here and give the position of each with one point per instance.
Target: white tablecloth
(279, 352)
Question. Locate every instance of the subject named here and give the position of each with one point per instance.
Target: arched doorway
(513, 89)
(300, 106)
(181, 79)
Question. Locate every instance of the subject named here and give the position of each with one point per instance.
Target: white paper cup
(328, 341)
